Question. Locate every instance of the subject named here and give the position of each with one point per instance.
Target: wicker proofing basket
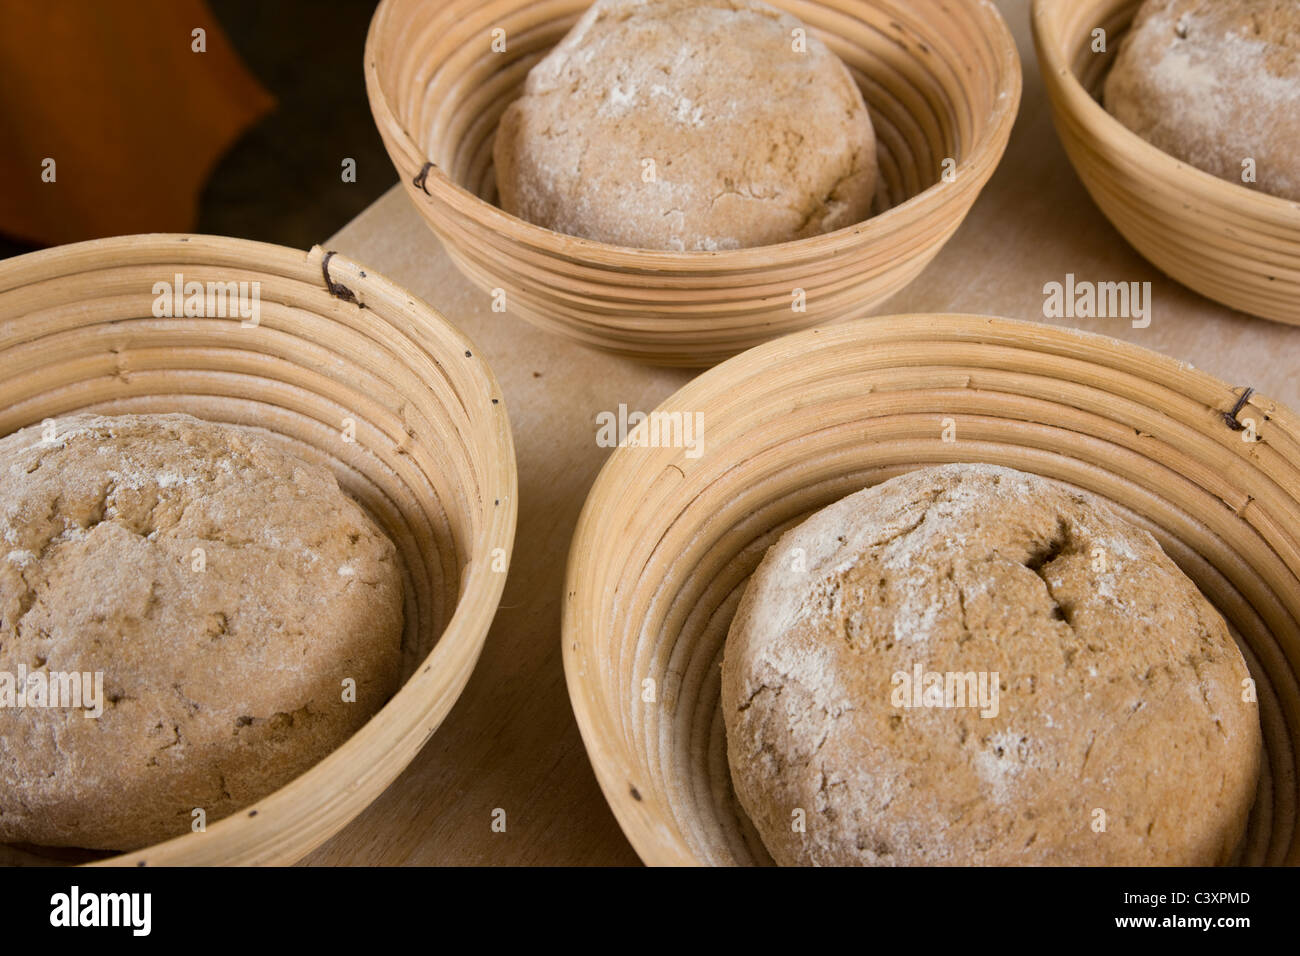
(941, 79)
(666, 542)
(1235, 245)
(432, 459)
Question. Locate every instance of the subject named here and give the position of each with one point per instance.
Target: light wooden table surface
(511, 741)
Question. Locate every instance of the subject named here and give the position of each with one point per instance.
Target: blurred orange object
(111, 120)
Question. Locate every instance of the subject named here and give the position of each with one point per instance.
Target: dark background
(281, 182)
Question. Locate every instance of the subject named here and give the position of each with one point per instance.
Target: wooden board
(511, 742)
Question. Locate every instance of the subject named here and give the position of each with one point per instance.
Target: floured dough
(751, 141)
(1216, 83)
(224, 589)
(1119, 689)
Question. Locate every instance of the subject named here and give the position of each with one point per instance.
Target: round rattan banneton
(942, 81)
(1236, 245)
(347, 370)
(667, 539)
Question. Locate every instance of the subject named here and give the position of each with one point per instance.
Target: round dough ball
(1215, 83)
(1118, 694)
(751, 142)
(222, 669)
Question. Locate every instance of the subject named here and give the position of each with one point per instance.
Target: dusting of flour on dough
(1215, 83)
(751, 142)
(1117, 684)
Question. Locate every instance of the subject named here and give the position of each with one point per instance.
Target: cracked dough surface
(221, 684)
(753, 143)
(1214, 82)
(1119, 687)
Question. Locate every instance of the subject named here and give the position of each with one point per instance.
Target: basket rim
(278, 827)
(612, 771)
(1109, 136)
(972, 172)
